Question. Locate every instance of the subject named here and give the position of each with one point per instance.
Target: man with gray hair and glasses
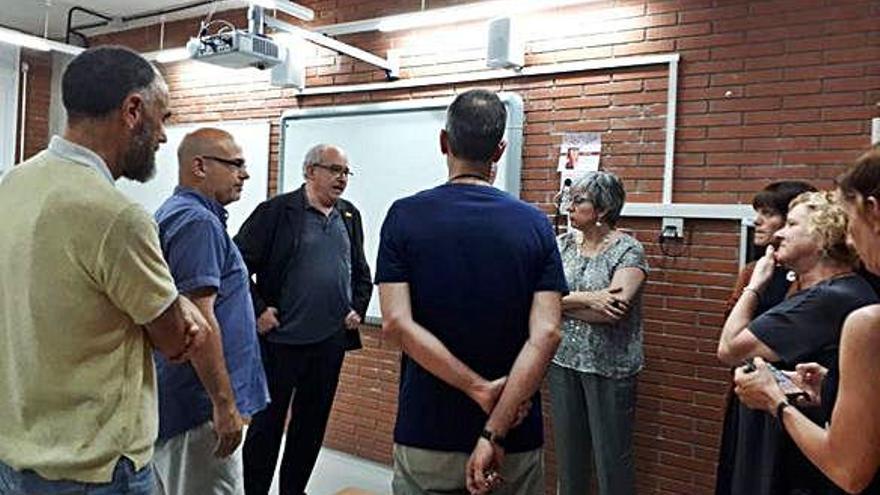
(311, 291)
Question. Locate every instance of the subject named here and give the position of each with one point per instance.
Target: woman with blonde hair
(740, 471)
(804, 327)
(848, 389)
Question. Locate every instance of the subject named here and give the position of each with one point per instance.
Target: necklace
(592, 251)
(468, 176)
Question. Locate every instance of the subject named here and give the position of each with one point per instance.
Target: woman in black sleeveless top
(848, 449)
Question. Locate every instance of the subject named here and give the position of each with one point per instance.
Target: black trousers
(312, 372)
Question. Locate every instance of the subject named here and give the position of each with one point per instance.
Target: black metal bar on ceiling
(71, 29)
(107, 19)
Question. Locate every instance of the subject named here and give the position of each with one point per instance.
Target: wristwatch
(493, 437)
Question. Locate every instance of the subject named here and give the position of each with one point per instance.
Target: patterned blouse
(612, 350)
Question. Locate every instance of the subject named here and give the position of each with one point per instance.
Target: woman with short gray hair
(593, 376)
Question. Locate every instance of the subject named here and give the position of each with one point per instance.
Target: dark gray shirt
(317, 291)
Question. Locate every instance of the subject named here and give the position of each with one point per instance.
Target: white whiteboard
(393, 150)
(252, 136)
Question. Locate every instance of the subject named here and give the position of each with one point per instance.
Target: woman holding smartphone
(848, 450)
(804, 327)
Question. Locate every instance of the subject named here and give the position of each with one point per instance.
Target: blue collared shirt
(192, 229)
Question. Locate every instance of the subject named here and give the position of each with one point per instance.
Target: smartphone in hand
(789, 388)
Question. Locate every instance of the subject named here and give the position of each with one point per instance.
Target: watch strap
(492, 437)
(779, 408)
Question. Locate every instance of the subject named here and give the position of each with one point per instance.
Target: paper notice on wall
(578, 154)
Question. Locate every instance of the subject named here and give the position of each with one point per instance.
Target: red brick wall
(767, 90)
(681, 390)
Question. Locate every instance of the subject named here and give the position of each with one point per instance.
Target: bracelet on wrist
(752, 290)
(779, 408)
(492, 437)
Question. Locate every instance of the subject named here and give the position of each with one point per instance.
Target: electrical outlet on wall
(672, 228)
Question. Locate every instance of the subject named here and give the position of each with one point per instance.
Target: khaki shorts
(185, 465)
(420, 471)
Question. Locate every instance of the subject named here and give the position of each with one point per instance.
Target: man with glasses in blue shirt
(202, 403)
(311, 292)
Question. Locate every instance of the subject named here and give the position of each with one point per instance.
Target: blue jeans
(125, 481)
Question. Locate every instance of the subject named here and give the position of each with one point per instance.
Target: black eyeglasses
(237, 163)
(568, 201)
(579, 200)
(335, 169)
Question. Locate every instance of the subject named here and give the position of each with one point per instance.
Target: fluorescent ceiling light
(469, 12)
(35, 42)
(65, 48)
(25, 40)
(294, 9)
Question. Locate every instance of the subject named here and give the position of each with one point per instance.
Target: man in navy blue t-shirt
(202, 402)
(470, 281)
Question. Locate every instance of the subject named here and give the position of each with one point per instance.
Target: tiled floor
(336, 472)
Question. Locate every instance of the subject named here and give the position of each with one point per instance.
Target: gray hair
(605, 191)
(155, 89)
(314, 155)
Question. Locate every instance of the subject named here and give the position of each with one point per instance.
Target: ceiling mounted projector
(235, 49)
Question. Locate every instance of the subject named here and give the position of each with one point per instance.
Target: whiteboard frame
(512, 159)
(510, 166)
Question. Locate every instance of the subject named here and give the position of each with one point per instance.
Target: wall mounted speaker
(505, 49)
(291, 72)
